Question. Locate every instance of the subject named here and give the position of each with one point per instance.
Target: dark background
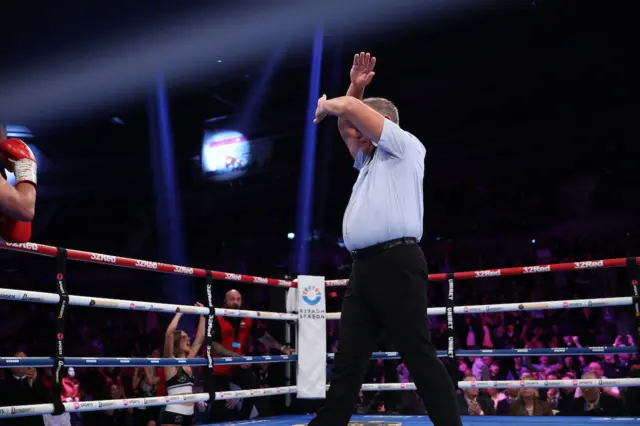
(528, 113)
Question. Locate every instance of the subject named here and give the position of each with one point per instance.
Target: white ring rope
(132, 305)
(38, 409)
(543, 384)
(530, 306)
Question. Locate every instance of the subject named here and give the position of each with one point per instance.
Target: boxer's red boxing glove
(19, 160)
(14, 231)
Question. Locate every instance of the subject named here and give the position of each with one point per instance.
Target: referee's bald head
(3, 132)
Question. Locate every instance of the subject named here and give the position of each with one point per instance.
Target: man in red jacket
(232, 339)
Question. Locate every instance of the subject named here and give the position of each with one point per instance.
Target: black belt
(363, 253)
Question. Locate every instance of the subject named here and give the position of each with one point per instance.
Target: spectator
(631, 395)
(494, 370)
(611, 367)
(496, 397)
(23, 386)
(70, 387)
(570, 367)
(403, 373)
(385, 373)
(471, 403)
(481, 368)
(593, 402)
(411, 402)
(529, 403)
(511, 395)
(517, 369)
(557, 399)
(144, 384)
(110, 376)
(120, 417)
(544, 366)
(70, 392)
(596, 368)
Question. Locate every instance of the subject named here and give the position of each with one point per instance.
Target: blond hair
(527, 379)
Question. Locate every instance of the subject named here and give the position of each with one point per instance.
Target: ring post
(291, 303)
(61, 289)
(634, 275)
(208, 372)
(451, 328)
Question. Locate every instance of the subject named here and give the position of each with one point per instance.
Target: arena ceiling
(497, 94)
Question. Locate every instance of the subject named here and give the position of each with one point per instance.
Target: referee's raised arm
(361, 75)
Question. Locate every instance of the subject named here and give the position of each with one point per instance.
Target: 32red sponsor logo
(103, 258)
(146, 264)
(26, 246)
(488, 273)
(232, 277)
(589, 264)
(183, 270)
(536, 269)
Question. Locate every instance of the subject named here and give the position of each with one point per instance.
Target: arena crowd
(135, 334)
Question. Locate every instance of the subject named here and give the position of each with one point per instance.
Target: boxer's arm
(18, 203)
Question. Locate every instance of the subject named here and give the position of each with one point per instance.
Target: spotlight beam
(188, 47)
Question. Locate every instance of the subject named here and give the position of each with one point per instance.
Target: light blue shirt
(387, 200)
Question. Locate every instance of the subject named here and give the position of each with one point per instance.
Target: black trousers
(388, 291)
(391, 399)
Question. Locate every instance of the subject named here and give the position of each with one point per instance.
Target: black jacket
(608, 406)
(486, 405)
(14, 392)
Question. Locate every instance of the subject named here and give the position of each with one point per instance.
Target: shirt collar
(595, 404)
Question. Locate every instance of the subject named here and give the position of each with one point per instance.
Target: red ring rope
(125, 262)
(520, 270)
(85, 256)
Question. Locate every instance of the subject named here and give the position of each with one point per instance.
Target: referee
(381, 228)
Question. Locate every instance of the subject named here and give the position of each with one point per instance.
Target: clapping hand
(32, 374)
(475, 408)
(231, 403)
(288, 351)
